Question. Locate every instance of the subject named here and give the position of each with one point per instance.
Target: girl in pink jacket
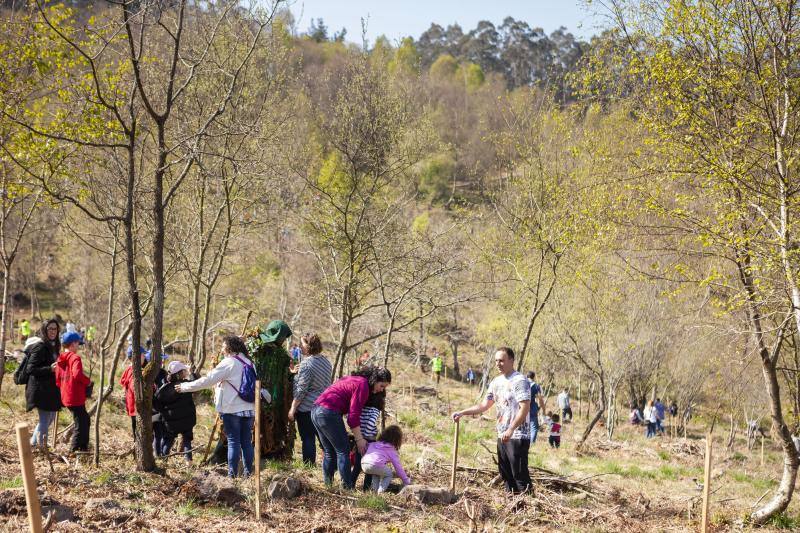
(379, 454)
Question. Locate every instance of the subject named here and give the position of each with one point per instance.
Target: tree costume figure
(268, 351)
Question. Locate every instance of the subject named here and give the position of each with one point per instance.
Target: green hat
(277, 331)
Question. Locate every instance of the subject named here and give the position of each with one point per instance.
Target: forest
(619, 211)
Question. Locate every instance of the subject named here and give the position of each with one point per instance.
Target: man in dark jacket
(41, 391)
(178, 412)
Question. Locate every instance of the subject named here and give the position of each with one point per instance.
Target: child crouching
(177, 410)
(380, 454)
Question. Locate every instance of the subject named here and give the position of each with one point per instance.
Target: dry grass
(628, 485)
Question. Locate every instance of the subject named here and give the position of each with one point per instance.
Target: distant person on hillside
(297, 353)
(437, 365)
(650, 418)
(673, 409)
(635, 416)
(70, 327)
(363, 359)
(510, 393)
(91, 333)
(470, 376)
(24, 330)
(74, 384)
(661, 413)
(564, 406)
(554, 440)
(536, 402)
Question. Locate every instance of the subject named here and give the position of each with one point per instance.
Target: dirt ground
(628, 484)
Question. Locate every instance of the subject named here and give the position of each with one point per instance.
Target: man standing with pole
(510, 392)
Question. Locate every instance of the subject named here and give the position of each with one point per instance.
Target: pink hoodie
(381, 453)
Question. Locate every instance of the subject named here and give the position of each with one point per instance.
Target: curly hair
(392, 435)
(374, 374)
(312, 343)
(235, 344)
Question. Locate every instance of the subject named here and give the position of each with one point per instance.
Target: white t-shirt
(507, 392)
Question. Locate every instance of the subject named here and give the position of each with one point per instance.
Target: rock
(285, 487)
(212, 488)
(61, 513)
(101, 504)
(428, 495)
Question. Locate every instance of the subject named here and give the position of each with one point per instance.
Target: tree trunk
(601, 408)
(388, 344)
(454, 344)
(3, 324)
(104, 352)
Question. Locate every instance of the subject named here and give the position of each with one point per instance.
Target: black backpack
(21, 373)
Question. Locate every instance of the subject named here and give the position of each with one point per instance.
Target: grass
(103, 478)
(374, 502)
(189, 509)
(409, 420)
(784, 521)
(13, 483)
(760, 483)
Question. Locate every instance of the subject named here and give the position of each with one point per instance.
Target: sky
(400, 18)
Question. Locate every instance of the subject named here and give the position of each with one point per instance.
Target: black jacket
(177, 409)
(41, 390)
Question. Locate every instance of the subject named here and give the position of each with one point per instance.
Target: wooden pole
(211, 439)
(706, 485)
(455, 457)
(762, 450)
(55, 431)
(258, 449)
(29, 478)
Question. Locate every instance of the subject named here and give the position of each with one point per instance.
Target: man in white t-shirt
(510, 393)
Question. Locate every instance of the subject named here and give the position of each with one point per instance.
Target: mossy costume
(268, 352)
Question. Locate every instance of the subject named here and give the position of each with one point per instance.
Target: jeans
(80, 434)
(239, 430)
(186, 444)
(566, 414)
(381, 476)
(512, 460)
(159, 433)
(308, 435)
(554, 441)
(335, 445)
(39, 437)
(659, 426)
(651, 430)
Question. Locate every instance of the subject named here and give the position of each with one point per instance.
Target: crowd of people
(653, 416)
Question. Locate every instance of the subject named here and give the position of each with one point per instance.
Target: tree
(720, 82)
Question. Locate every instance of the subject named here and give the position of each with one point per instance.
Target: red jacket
(126, 381)
(71, 379)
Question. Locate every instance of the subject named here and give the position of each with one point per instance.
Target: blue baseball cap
(70, 337)
(129, 353)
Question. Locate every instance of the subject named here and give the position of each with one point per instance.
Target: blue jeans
(186, 444)
(333, 437)
(239, 430)
(39, 437)
(308, 435)
(651, 430)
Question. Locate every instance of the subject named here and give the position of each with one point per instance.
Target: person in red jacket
(126, 382)
(73, 383)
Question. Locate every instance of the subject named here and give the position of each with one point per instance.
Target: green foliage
(784, 521)
(11, 483)
(406, 58)
(436, 178)
(409, 420)
(472, 75)
(374, 502)
(444, 68)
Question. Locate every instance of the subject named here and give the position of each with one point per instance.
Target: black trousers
(80, 435)
(512, 460)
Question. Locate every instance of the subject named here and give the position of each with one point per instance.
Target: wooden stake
(211, 439)
(29, 478)
(762, 450)
(258, 449)
(706, 485)
(455, 457)
(55, 431)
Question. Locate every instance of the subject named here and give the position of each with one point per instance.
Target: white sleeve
(220, 373)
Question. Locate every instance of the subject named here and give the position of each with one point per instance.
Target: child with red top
(555, 432)
(126, 382)
(379, 454)
(73, 384)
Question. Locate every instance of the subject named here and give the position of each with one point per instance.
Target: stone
(285, 487)
(212, 488)
(61, 513)
(428, 495)
(102, 504)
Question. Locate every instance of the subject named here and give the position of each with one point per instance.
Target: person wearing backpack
(73, 384)
(37, 373)
(178, 412)
(234, 399)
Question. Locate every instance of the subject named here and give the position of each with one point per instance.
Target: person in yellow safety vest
(24, 330)
(436, 365)
(90, 333)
